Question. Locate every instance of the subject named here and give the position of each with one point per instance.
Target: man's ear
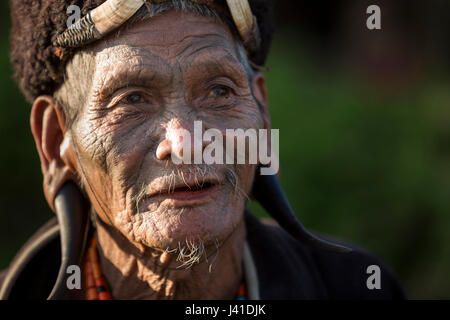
(53, 144)
(260, 93)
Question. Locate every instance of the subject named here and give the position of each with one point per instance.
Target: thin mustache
(196, 175)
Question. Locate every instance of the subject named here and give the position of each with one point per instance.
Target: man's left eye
(219, 92)
(134, 98)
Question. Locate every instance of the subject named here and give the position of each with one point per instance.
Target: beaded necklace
(96, 286)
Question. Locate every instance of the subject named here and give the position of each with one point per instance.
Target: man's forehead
(170, 36)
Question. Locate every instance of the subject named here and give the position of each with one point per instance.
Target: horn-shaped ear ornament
(71, 210)
(267, 191)
(98, 22)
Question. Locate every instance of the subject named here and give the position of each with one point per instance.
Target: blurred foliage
(359, 165)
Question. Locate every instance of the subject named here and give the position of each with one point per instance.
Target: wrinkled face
(158, 76)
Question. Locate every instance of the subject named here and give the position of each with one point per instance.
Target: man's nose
(179, 137)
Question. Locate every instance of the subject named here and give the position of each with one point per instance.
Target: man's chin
(181, 225)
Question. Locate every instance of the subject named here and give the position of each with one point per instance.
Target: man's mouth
(187, 193)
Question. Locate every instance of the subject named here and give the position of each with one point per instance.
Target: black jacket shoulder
(289, 269)
(33, 271)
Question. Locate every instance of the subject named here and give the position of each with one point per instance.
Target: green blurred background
(364, 119)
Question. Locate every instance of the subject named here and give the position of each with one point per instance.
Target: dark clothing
(287, 269)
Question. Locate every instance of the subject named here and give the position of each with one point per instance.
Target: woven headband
(113, 13)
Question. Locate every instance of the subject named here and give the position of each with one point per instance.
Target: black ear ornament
(73, 218)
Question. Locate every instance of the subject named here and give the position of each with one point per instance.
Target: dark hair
(36, 23)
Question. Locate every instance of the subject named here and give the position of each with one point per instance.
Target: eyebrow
(220, 63)
(197, 46)
(150, 70)
(147, 70)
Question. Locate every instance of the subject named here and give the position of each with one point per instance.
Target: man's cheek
(92, 143)
(246, 175)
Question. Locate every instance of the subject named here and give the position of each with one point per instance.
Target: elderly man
(110, 95)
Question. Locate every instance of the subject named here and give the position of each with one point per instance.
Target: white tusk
(242, 16)
(245, 23)
(113, 13)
